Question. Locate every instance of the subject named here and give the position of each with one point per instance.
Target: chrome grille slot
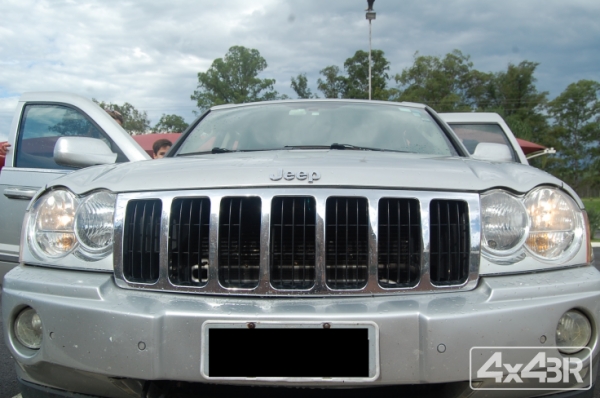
(141, 245)
(293, 241)
(347, 242)
(239, 242)
(189, 241)
(450, 242)
(399, 243)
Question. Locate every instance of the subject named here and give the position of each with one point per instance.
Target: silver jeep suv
(319, 244)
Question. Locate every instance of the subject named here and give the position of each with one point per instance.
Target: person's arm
(4, 148)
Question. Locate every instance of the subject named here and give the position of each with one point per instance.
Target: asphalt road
(8, 376)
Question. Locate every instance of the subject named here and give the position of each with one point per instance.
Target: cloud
(148, 53)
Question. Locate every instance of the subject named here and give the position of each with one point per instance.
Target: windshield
(312, 124)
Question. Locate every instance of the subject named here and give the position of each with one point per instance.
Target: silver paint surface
(337, 168)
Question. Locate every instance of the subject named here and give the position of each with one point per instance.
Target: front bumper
(93, 329)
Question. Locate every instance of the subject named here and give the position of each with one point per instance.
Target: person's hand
(4, 148)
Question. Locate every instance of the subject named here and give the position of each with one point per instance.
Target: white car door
(40, 120)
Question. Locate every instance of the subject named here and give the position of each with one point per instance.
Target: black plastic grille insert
(399, 243)
(293, 240)
(347, 242)
(189, 241)
(450, 243)
(141, 241)
(239, 242)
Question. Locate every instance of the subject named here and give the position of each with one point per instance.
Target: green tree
(300, 86)
(594, 217)
(445, 84)
(355, 82)
(357, 71)
(514, 95)
(576, 130)
(134, 121)
(170, 124)
(74, 124)
(234, 79)
(333, 85)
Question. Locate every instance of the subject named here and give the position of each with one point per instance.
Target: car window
(472, 134)
(42, 125)
(306, 124)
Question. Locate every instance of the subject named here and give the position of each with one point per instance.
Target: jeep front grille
(297, 241)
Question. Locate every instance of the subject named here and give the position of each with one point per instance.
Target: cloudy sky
(148, 53)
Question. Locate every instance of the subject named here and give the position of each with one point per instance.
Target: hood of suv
(318, 168)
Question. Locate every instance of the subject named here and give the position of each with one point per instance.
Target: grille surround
(320, 287)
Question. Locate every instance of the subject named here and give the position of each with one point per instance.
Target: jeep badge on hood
(300, 175)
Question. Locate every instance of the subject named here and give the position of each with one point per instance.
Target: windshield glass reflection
(314, 125)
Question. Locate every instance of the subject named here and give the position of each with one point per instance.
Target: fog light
(573, 332)
(28, 328)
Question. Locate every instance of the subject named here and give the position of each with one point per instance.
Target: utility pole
(370, 16)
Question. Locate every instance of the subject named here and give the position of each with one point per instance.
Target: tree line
(136, 122)
(450, 83)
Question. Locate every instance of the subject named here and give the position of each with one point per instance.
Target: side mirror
(82, 152)
(492, 152)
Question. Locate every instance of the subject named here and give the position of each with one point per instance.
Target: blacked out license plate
(296, 351)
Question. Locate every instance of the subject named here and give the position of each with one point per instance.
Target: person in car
(4, 148)
(116, 115)
(160, 148)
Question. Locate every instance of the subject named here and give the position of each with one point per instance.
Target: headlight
(94, 225)
(62, 225)
(51, 226)
(504, 223)
(555, 224)
(542, 228)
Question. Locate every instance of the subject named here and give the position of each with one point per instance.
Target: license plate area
(332, 351)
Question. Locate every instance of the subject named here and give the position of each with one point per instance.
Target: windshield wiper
(307, 147)
(225, 150)
(335, 145)
(214, 150)
(221, 150)
(364, 148)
